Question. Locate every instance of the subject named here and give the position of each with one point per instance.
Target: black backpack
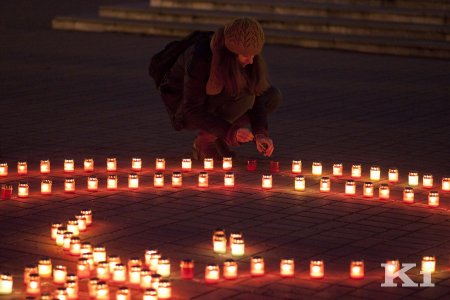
(162, 61)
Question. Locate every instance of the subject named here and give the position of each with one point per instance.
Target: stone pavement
(78, 95)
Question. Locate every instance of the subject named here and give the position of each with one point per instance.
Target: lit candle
(81, 222)
(61, 293)
(212, 273)
(54, 229)
(90, 259)
(164, 289)
(146, 279)
(391, 267)
(413, 178)
(46, 187)
(238, 247)
(158, 180)
(111, 164)
(3, 169)
(111, 183)
(103, 270)
(230, 269)
(266, 182)
(67, 238)
(134, 275)
(316, 269)
(136, 164)
(102, 292)
(203, 179)
(187, 269)
(227, 163)
(83, 268)
(92, 184)
(220, 243)
(154, 259)
(446, 184)
(356, 171)
(393, 175)
(45, 166)
(375, 173)
(75, 246)
(133, 181)
(296, 166)
(274, 166)
(177, 179)
(72, 289)
(6, 284)
(34, 284)
(208, 164)
(69, 185)
(287, 267)
(155, 279)
(69, 165)
(228, 179)
(257, 266)
(72, 226)
(299, 183)
(408, 195)
(160, 164)
(338, 169)
(113, 260)
(123, 293)
(427, 181)
(325, 184)
(251, 165)
(30, 269)
(88, 164)
(59, 274)
(148, 256)
(22, 190)
(6, 191)
(428, 264)
(357, 269)
(433, 199)
(45, 267)
(186, 165)
(368, 190)
(150, 294)
(60, 236)
(383, 191)
(317, 168)
(22, 168)
(88, 215)
(99, 254)
(134, 261)
(350, 187)
(120, 273)
(92, 286)
(163, 267)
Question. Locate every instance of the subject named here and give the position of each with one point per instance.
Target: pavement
(78, 95)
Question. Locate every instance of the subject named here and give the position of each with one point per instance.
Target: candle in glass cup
(428, 264)
(59, 274)
(148, 256)
(338, 169)
(88, 164)
(59, 240)
(316, 269)
(251, 165)
(54, 229)
(212, 273)
(7, 190)
(119, 273)
(368, 190)
(208, 164)
(433, 199)
(187, 269)
(150, 294)
(203, 179)
(413, 178)
(46, 187)
(3, 169)
(81, 222)
(29, 269)
(186, 165)
(227, 163)
(228, 179)
(220, 243)
(69, 165)
(238, 246)
(299, 183)
(92, 184)
(123, 293)
(230, 269)
(66, 243)
(296, 166)
(356, 171)
(274, 166)
(287, 267)
(357, 269)
(393, 175)
(69, 185)
(99, 254)
(427, 181)
(134, 261)
(163, 268)
(23, 190)
(111, 183)
(375, 173)
(83, 268)
(111, 164)
(155, 279)
(350, 187)
(102, 291)
(45, 267)
(408, 195)
(34, 284)
(164, 289)
(45, 166)
(134, 275)
(72, 226)
(103, 270)
(75, 246)
(158, 180)
(160, 164)
(383, 192)
(6, 284)
(22, 168)
(316, 168)
(325, 184)
(136, 164)
(177, 179)
(391, 267)
(133, 181)
(266, 182)
(92, 287)
(154, 259)
(446, 184)
(72, 290)
(87, 213)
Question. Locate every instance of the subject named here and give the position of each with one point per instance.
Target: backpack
(162, 61)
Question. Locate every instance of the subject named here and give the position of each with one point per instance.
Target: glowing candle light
(148, 256)
(257, 266)
(187, 268)
(123, 293)
(164, 289)
(338, 169)
(59, 240)
(160, 164)
(133, 181)
(274, 166)
(6, 284)
(446, 184)
(186, 165)
(154, 259)
(383, 192)
(146, 279)
(163, 267)
(69, 165)
(22, 168)
(72, 226)
(134, 261)
(111, 164)
(413, 178)
(251, 165)
(59, 274)
(393, 175)
(375, 173)
(83, 268)
(75, 246)
(266, 182)
(208, 164)
(233, 236)
(102, 292)
(357, 269)
(150, 294)
(427, 181)
(158, 180)
(67, 237)
(60, 293)
(228, 180)
(433, 199)
(88, 164)
(92, 184)
(86, 247)
(287, 267)
(296, 166)
(113, 260)
(69, 185)
(72, 290)
(299, 183)
(177, 179)
(408, 195)
(46, 187)
(203, 179)
(34, 284)
(428, 264)
(391, 267)
(317, 168)
(134, 275)
(22, 190)
(7, 190)
(90, 258)
(45, 267)
(120, 273)
(103, 270)
(316, 269)
(350, 187)
(238, 246)
(30, 269)
(155, 279)
(3, 169)
(81, 222)
(220, 243)
(227, 163)
(92, 287)
(368, 190)
(325, 184)
(230, 269)
(111, 183)
(45, 166)
(136, 164)
(88, 215)
(54, 229)
(212, 273)
(356, 171)
(99, 254)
